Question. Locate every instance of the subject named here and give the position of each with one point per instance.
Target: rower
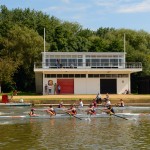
(106, 98)
(98, 98)
(109, 110)
(107, 103)
(32, 111)
(94, 103)
(51, 111)
(120, 104)
(91, 110)
(72, 110)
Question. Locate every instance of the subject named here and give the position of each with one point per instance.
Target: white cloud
(143, 6)
(105, 3)
(66, 8)
(123, 6)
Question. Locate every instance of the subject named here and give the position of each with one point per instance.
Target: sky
(92, 14)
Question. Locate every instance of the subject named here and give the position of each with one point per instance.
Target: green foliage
(7, 69)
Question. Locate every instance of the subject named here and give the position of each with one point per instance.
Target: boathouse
(84, 73)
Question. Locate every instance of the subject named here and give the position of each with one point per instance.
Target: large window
(104, 62)
(100, 60)
(52, 62)
(80, 62)
(114, 62)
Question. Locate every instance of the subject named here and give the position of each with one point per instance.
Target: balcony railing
(88, 65)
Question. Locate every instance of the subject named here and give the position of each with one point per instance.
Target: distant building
(85, 72)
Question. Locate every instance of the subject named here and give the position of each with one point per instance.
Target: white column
(43, 84)
(129, 83)
(83, 58)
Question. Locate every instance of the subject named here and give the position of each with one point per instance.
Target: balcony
(127, 65)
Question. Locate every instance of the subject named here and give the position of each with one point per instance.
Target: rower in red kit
(91, 110)
(51, 111)
(72, 110)
(94, 103)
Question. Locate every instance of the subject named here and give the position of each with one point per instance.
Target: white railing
(89, 65)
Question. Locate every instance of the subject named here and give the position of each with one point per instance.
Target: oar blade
(120, 116)
(74, 116)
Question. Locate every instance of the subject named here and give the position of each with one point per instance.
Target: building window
(96, 75)
(59, 75)
(65, 75)
(71, 75)
(90, 75)
(53, 75)
(77, 75)
(83, 75)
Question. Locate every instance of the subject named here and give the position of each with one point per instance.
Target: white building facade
(84, 73)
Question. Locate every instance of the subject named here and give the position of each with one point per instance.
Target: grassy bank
(129, 98)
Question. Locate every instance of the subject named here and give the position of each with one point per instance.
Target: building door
(146, 88)
(67, 86)
(108, 86)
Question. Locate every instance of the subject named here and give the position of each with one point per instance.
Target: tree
(24, 46)
(7, 70)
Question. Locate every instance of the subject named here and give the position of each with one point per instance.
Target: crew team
(91, 110)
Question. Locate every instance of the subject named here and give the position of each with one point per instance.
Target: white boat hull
(58, 116)
(15, 104)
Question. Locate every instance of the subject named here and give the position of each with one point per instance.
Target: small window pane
(53, 75)
(96, 75)
(90, 75)
(83, 75)
(71, 75)
(114, 75)
(59, 75)
(65, 75)
(77, 75)
(102, 75)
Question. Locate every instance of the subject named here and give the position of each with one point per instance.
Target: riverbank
(68, 99)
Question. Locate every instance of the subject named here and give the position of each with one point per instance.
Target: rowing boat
(115, 108)
(15, 104)
(58, 116)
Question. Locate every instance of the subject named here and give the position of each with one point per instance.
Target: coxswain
(109, 110)
(91, 110)
(72, 110)
(51, 111)
(80, 103)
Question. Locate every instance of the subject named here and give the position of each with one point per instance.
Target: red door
(67, 86)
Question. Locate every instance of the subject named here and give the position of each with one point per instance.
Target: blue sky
(92, 14)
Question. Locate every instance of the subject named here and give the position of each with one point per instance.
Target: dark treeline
(21, 44)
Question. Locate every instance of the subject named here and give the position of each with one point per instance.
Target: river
(72, 133)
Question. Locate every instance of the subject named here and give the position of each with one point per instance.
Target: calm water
(72, 134)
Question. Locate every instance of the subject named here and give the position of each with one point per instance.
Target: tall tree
(7, 70)
(24, 46)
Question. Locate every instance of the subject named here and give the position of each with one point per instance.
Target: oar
(119, 116)
(74, 116)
